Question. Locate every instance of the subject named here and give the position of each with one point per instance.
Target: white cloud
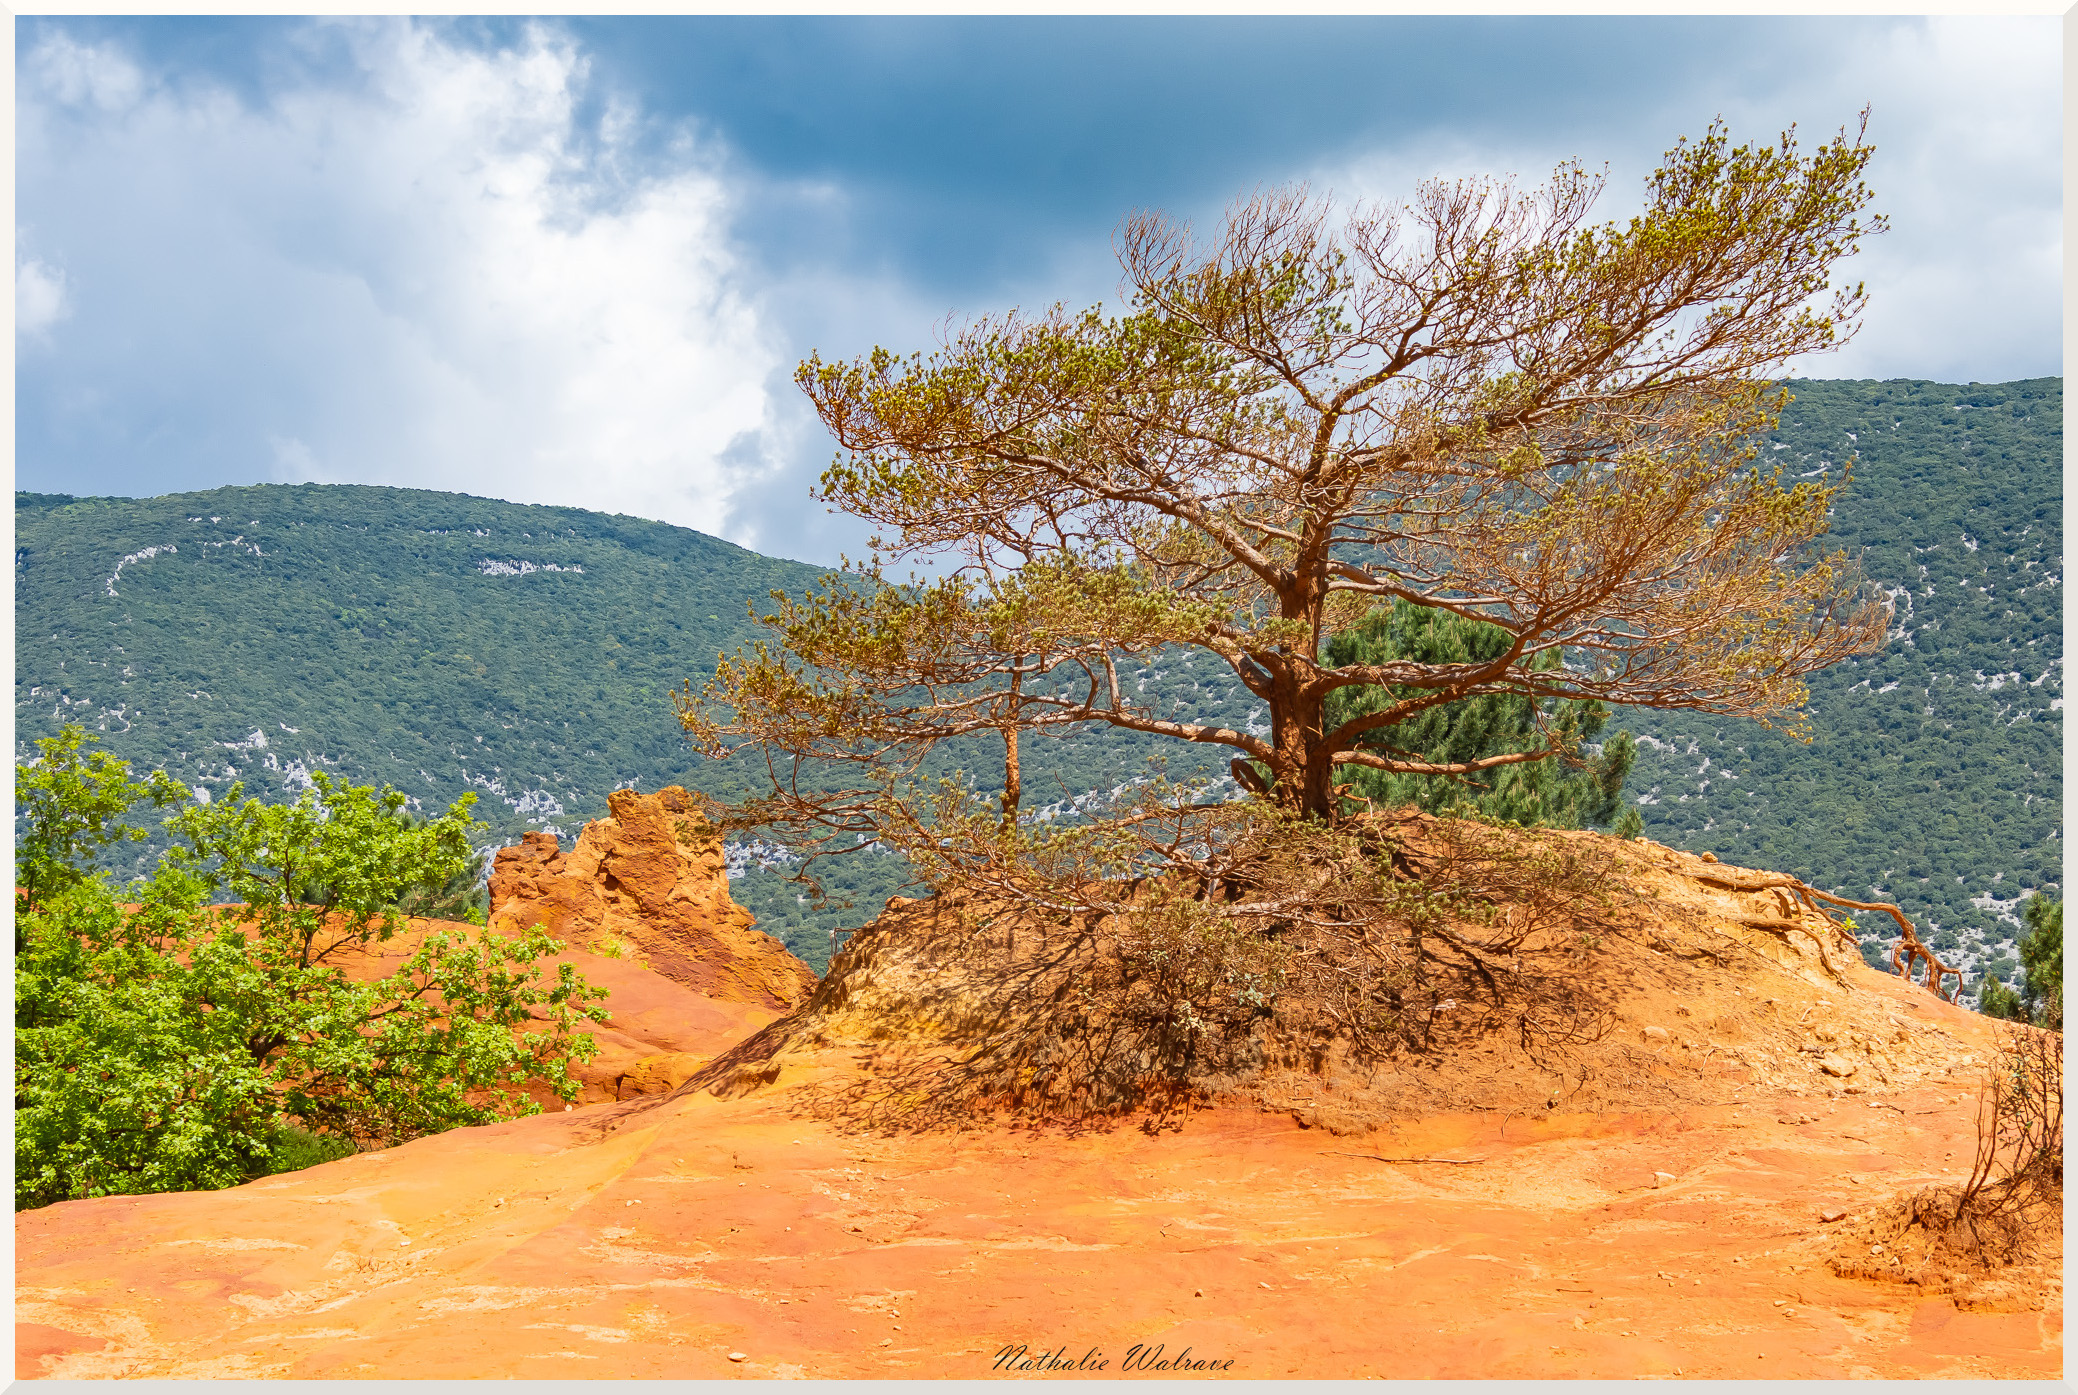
(1967, 121)
(79, 75)
(1967, 124)
(39, 297)
(432, 274)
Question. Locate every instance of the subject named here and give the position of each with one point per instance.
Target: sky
(575, 262)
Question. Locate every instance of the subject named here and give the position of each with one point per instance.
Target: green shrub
(174, 1045)
(296, 1149)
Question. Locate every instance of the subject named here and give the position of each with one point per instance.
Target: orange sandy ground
(653, 1240)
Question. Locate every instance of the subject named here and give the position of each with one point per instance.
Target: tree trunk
(1295, 719)
(1013, 783)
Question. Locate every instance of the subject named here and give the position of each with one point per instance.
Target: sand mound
(1693, 983)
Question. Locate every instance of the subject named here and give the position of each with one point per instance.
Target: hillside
(1934, 778)
(444, 643)
(436, 642)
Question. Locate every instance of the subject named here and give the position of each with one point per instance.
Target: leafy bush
(70, 806)
(296, 1149)
(174, 1045)
(1995, 999)
(2042, 955)
(2040, 999)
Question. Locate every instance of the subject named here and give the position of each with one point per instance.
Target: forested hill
(442, 643)
(1935, 776)
(435, 642)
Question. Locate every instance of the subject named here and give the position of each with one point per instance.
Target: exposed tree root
(1904, 955)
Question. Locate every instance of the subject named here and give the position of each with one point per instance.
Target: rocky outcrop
(649, 883)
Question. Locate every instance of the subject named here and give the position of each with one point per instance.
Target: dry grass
(2001, 1228)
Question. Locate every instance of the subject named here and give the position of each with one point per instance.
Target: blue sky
(575, 262)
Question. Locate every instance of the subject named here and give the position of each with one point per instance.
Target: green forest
(1935, 774)
(445, 644)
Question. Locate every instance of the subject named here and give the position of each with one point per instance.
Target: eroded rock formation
(648, 883)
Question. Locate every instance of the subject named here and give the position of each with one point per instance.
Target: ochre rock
(965, 1004)
(654, 1238)
(649, 883)
(800, 1231)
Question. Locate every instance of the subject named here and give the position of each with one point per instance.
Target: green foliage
(1559, 792)
(463, 895)
(127, 1077)
(176, 1045)
(325, 872)
(73, 804)
(2042, 956)
(296, 1149)
(1995, 999)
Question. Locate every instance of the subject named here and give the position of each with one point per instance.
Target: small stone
(1778, 1302)
(1262, 1285)
(1828, 1216)
(1838, 1066)
(1660, 1179)
(1199, 1294)
(738, 1356)
(1875, 1249)
(1656, 1034)
(1709, 857)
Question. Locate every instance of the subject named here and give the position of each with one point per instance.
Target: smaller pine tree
(1580, 789)
(2042, 959)
(1995, 999)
